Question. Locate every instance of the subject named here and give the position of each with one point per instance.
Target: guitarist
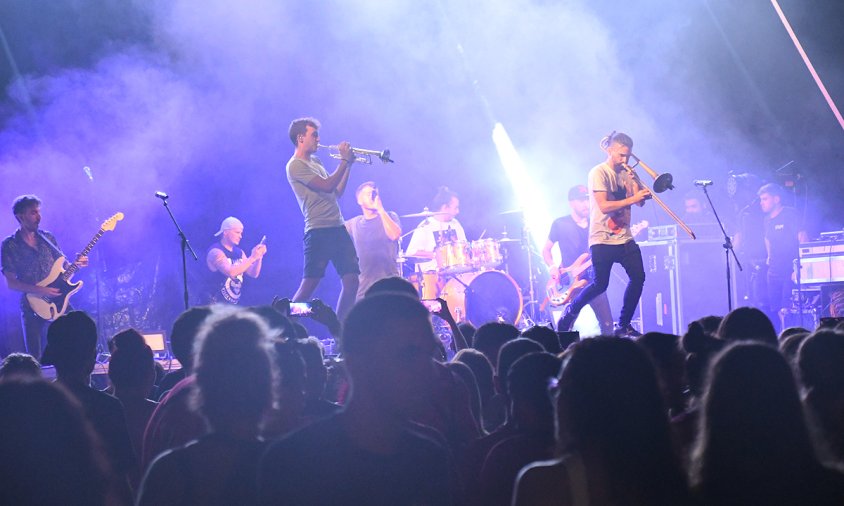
(27, 257)
(571, 233)
(612, 192)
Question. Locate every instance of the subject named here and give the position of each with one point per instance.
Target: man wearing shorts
(326, 238)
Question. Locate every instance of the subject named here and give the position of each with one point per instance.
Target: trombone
(361, 155)
(662, 182)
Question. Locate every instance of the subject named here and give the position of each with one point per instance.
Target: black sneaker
(627, 331)
(567, 320)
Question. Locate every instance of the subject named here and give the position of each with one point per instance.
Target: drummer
(441, 228)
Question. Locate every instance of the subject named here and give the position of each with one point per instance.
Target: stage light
(528, 195)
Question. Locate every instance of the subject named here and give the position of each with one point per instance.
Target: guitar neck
(73, 268)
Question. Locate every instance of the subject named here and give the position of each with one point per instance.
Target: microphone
(88, 172)
(162, 195)
(703, 182)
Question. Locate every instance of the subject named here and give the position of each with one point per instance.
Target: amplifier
(822, 262)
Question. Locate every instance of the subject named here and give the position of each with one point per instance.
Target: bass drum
(481, 297)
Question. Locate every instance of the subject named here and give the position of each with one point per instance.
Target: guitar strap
(51, 244)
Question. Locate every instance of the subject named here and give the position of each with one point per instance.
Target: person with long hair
(613, 439)
(754, 445)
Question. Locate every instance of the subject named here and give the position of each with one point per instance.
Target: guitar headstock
(110, 223)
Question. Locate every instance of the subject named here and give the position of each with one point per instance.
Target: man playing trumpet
(326, 238)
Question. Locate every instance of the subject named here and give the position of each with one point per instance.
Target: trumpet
(361, 155)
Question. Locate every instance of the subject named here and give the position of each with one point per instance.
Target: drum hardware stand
(728, 248)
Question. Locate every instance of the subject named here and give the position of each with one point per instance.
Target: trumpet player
(326, 238)
(612, 193)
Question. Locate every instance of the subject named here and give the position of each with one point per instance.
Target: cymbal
(511, 211)
(508, 239)
(423, 214)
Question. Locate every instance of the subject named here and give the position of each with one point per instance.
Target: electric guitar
(561, 290)
(50, 308)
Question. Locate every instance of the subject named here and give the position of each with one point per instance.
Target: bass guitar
(568, 281)
(50, 308)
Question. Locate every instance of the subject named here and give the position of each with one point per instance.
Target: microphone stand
(185, 246)
(728, 249)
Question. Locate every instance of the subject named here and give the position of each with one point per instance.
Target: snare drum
(486, 253)
(454, 257)
(487, 296)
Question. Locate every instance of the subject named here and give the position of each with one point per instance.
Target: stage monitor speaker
(684, 280)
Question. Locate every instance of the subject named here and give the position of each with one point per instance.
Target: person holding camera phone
(375, 234)
(229, 262)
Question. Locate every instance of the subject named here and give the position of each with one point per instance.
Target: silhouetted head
(544, 336)
(235, 369)
(49, 454)
(481, 368)
(185, 329)
(490, 337)
(131, 366)
(71, 343)
(389, 346)
(392, 284)
(747, 324)
(20, 365)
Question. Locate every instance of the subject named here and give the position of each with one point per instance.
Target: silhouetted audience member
(754, 445)
(392, 284)
(545, 336)
(490, 337)
(72, 349)
(510, 352)
(484, 377)
(821, 364)
(20, 365)
(612, 434)
(700, 346)
(288, 414)
(131, 370)
(790, 331)
(49, 453)
(316, 377)
(367, 454)
(184, 331)
(747, 324)
(533, 420)
(465, 373)
(790, 345)
(668, 357)
(235, 375)
(468, 330)
(472, 458)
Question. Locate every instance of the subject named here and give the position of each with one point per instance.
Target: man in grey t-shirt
(375, 234)
(611, 194)
(326, 239)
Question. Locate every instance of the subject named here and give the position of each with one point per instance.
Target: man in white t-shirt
(326, 238)
(441, 228)
(612, 192)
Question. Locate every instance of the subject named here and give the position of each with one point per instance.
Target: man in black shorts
(326, 238)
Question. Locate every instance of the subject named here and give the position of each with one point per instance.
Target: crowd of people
(729, 413)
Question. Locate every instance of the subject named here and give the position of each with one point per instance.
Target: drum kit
(468, 278)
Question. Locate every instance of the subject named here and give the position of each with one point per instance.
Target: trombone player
(612, 193)
(326, 238)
